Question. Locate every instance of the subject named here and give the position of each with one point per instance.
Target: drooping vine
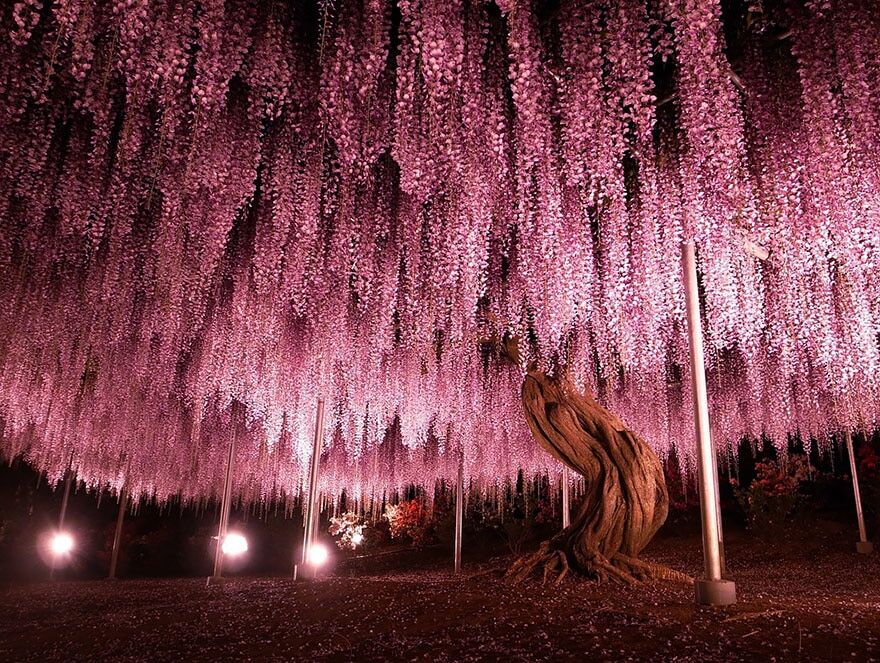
(214, 202)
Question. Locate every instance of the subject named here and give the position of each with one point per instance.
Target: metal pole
(311, 523)
(459, 513)
(863, 546)
(713, 590)
(68, 475)
(224, 510)
(566, 498)
(716, 484)
(316, 518)
(117, 536)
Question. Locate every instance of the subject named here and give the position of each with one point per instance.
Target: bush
(774, 493)
(411, 520)
(869, 476)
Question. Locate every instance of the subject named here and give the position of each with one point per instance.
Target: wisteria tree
(215, 202)
(626, 500)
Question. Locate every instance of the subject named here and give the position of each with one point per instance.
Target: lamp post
(459, 512)
(311, 524)
(713, 589)
(117, 535)
(863, 545)
(68, 476)
(224, 510)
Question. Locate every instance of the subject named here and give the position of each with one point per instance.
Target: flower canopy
(214, 212)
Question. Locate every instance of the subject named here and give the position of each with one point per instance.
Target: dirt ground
(807, 598)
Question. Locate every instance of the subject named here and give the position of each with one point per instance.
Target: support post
(224, 512)
(863, 545)
(713, 590)
(68, 476)
(566, 498)
(459, 512)
(311, 524)
(716, 485)
(117, 535)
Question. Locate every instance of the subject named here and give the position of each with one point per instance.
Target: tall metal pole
(459, 512)
(716, 484)
(68, 475)
(566, 498)
(713, 590)
(117, 536)
(224, 511)
(863, 546)
(311, 524)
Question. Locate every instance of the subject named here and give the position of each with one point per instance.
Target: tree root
(620, 568)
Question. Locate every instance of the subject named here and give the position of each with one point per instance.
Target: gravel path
(798, 601)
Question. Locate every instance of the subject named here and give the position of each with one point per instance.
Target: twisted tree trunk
(626, 500)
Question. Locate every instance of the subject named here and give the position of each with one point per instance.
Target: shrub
(869, 476)
(774, 493)
(411, 520)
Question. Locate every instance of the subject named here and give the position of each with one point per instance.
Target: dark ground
(808, 597)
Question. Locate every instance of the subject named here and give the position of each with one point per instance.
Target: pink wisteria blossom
(213, 213)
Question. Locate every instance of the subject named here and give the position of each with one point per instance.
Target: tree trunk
(626, 500)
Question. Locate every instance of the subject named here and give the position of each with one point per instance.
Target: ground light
(318, 555)
(234, 545)
(61, 544)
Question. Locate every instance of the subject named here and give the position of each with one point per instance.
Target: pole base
(864, 547)
(305, 572)
(715, 592)
(215, 580)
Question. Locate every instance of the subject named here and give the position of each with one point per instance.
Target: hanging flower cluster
(215, 212)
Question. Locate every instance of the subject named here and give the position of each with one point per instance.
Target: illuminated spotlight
(61, 544)
(318, 554)
(234, 544)
(357, 538)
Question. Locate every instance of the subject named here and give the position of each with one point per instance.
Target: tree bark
(626, 500)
